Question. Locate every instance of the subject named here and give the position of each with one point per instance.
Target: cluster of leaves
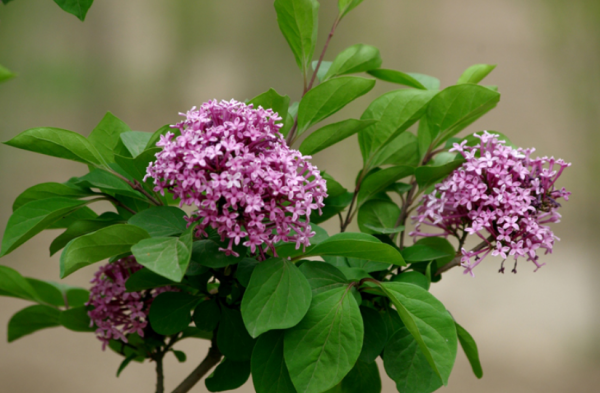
(296, 324)
(79, 8)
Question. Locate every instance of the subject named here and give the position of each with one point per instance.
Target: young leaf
(346, 6)
(376, 335)
(49, 190)
(170, 312)
(31, 319)
(166, 256)
(13, 284)
(125, 363)
(180, 355)
(333, 187)
(298, 21)
(413, 278)
(329, 97)
(272, 100)
(406, 364)
(233, 339)
(228, 375)
(33, 217)
(207, 315)
(380, 180)
(59, 143)
(428, 322)
(161, 221)
(47, 292)
(398, 77)
(378, 214)
(135, 141)
(325, 345)
(428, 175)
(475, 73)
(427, 252)
(470, 347)
(96, 246)
(106, 135)
(83, 227)
(357, 58)
(109, 183)
(160, 132)
(430, 82)
(323, 69)
(146, 279)
(277, 297)
(5, 74)
(76, 319)
(332, 134)
(79, 8)
(363, 378)
(269, 372)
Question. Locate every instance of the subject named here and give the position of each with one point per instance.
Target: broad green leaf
(329, 97)
(399, 188)
(363, 378)
(346, 6)
(5, 73)
(244, 270)
(377, 214)
(106, 136)
(272, 100)
(228, 375)
(49, 190)
(146, 279)
(160, 132)
(325, 345)
(406, 364)
(180, 355)
(207, 315)
(135, 141)
(403, 150)
(161, 221)
(206, 253)
(376, 335)
(289, 249)
(332, 134)
(33, 217)
(31, 319)
(277, 297)
(395, 112)
(109, 183)
(269, 372)
(59, 143)
(79, 8)
(428, 322)
(475, 73)
(322, 276)
(427, 252)
(456, 107)
(298, 21)
(354, 274)
(83, 227)
(323, 69)
(82, 213)
(125, 363)
(366, 265)
(398, 77)
(166, 256)
(333, 206)
(357, 245)
(170, 312)
(57, 293)
(357, 58)
(233, 339)
(136, 167)
(413, 278)
(430, 82)
(380, 180)
(441, 244)
(333, 187)
(470, 347)
(13, 284)
(76, 319)
(428, 175)
(47, 292)
(96, 246)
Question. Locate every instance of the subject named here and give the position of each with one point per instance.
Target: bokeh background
(147, 60)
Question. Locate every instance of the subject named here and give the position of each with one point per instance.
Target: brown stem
(456, 260)
(314, 75)
(404, 211)
(160, 376)
(212, 358)
(350, 213)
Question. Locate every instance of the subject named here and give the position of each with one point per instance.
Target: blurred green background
(147, 60)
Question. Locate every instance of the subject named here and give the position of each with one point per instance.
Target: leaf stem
(212, 358)
(456, 260)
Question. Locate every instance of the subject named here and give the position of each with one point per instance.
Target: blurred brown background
(147, 60)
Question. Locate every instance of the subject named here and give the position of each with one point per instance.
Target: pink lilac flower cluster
(118, 313)
(233, 164)
(499, 190)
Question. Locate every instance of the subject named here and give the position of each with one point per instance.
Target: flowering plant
(249, 268)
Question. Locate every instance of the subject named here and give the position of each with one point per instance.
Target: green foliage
(83, 227)
(207, 315)
(161, 221)
(135, 141)
(50, 190)
(5, 73)
(232, 337)
(15, 285)
(475, 73)
(332, 134)
(418, 81)
(269, 372)
(106, 135)
(76, 319)
(79, 8)
(31, 319)
(228, 375)
(377, 216)
(272, 100)
(146, 279)
(375, 337)
(379, 181)
(470, 347)
(298, 21)
(363, 378)
(346, 6)
(206, 253)
(357, 58)
(170, 312)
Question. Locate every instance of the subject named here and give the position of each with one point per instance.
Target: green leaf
(207, 315)
(346, 6)
(83, 227)
(357, 245)
(180, 355)
(167, 256)
(49, 190)
(146, 279)
(380, 180)
(125, 363)
(332, 134)
(470, 347)
(5, 73)
(366, 265)
(333, 187)
(323, 69)
(333, 205)
(79, 8)
(244, 270)
(206, 253)
(277, 297)
(33, 217)
(106, 135)
(430, 82)
(395, 112)
(46, 292)
(413, 278)
(272, 100)
(76, 319)
(233, 339)
(357, 58)
(288, 249)
(376, 335)
(428, 322)
(82, 213)
(363, 378)
(427, 252)
(398, 77)
(378, 214)
(31, 319)
(13, 284)
(456, 107)
(403, 150)
(406, 364)
(136, 167)
(59, 143)
(228, 375)
(329, 97)
(298, 21)
(161, 221)
(96, 246)
(269, 372)
(157, 134)
(325, 345)
(428, 175)
(322, 276)
(475, 73)
(109, 183)
(135, 141)
(170, 312)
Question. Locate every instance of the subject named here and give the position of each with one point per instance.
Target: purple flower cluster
(499, 190)
(233, 164)
(118, 313)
